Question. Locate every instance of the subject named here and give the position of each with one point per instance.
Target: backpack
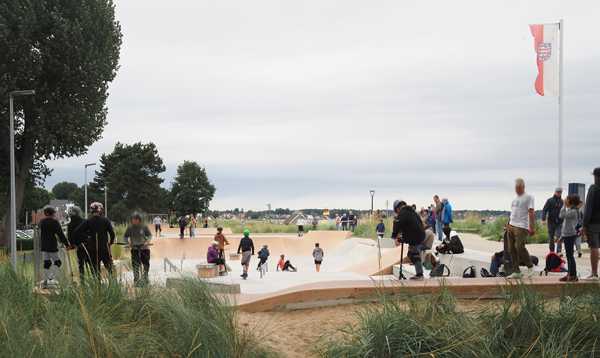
(438, 271)
(469, 272)
(429, 262)
(553, 263)
(534, 259)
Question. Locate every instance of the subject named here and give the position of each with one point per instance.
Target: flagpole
(560, 105)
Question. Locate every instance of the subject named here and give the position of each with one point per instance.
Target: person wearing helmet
(247, 249)
(76, 240)
(263, 255)
(408, 228)
(97, 230)
(140, 236)
(49, 230)
(212, 256)
(157, 225)
(222, 240)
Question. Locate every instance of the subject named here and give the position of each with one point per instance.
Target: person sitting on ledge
(451, 242)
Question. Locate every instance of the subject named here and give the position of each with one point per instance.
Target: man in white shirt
(521, 224)
(300, 224)
(157, 225)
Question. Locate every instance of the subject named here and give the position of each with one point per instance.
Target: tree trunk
(20, 182)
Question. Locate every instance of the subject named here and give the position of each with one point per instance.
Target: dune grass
(522, 323)
(109, 319)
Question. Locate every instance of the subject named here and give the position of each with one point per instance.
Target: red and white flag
(546, 42)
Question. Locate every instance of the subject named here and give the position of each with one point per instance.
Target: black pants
(218, 261)
(82, 259)
(99, 253)
(181, 230)
(288, 265)
(261, 262)
(137, 257)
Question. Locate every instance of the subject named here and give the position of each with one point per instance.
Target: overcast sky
(302, 104)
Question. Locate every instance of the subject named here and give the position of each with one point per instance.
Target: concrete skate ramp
(370, 267)
(196, 248)
(199, 231)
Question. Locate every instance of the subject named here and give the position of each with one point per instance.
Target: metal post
(560, 105)
(372, 195)
(105, 203)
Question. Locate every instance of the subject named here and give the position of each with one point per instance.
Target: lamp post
(372, 195)
(86, 182)
(13, 199)
(105, 202)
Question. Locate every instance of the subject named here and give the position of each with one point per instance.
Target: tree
(68, 52)
(34, 199)
(63, 189)
(191, 191)
(131, 175)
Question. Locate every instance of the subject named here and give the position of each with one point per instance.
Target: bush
(24, 244)
(495, 231)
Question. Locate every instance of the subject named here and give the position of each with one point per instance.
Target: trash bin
(482, 222)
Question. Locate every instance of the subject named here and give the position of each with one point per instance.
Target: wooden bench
(234, 256)
(207, 270)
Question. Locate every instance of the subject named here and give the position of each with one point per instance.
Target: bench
(234, 256)
(119, 266)
(207, 270)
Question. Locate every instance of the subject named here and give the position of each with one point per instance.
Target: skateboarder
(140, 253)
(263, 255)
(76, 240)
(49, 230)
(182, 224)
(222, 240)
(157, 225)
(247, 249)
(97, 230)
(300, 224)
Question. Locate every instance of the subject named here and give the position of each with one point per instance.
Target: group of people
(346, 221)
(92, 239)
(187, 224)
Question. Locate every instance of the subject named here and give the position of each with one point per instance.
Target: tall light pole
(372, 195)
(86, 207)
(105, 202)
(13, 199)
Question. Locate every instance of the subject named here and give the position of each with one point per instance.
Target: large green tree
(68, 52)
(63, 189)
(131, 176)
(191, 191)
(34, 199)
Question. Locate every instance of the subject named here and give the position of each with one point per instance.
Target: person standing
(337, 222)
(439, 209)
(520, 225)
(182, 224)
(552, 209)
(222, 240)
(351, 221)
(157, 225)
(49, 230)
(140, 236)
(318, 256)
(97, 229)
(408, 228)
(193, 223)
(77, 241)
(300, 224)
(247, 249)
(570, 214)
(591, 223)
(447, 212)
(380, 229)
(344, 222)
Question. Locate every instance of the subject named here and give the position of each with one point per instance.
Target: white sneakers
(592, 278)
(515, 275)
(530, 273)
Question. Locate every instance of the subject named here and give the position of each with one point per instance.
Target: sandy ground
(292, 333)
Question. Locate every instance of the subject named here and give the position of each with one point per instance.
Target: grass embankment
(522, 323)
(112, 320)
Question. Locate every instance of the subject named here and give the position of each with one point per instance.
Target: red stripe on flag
(538, 37)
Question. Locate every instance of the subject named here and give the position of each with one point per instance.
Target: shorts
(593, 234)
(318, 262)
(157, 227)
(246, 258)
(50, 256)
(300, 227)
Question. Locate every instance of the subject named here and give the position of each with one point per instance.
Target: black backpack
(553, 263)
(469, 272)
(439, 271)
(534, 259)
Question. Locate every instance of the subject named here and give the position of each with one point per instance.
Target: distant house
(62, 208)
(293, 218)
(242, 215)
(228, 216)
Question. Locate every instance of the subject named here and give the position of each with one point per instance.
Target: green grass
(495, 231)
(110, 320)
(522, 323)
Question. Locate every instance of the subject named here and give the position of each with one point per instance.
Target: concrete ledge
(387, 243)
(215, 286)
(207, 270)
(233, 256)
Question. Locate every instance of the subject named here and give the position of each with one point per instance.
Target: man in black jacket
(554, 223)
(247, 249)
(77, 240)
(97, 229)
(591, 223)
(49, 230)
(408, 228)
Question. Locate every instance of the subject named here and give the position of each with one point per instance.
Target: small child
(318, 256)
(284, 265)
(140, 236)
(49, 230)
(222, 240)
(380, 229)
(263, 255)
(570, 214)
(212, 256)
(247, 249)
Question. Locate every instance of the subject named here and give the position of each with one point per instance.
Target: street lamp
(13, 200)
(105, 202)
(86, 207)
(372, 195)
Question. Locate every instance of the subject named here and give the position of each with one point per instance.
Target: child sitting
(285, 265)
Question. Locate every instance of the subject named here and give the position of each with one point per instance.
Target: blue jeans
(569, 244)
(495, 265)
(424, 247)
(192, 231)
(438, 228)
(337, 226)
(552, 229)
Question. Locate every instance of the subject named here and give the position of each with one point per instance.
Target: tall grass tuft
(109, 319)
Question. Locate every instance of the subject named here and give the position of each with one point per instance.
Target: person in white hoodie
(570, 214)
(451, 242)
(300, 224)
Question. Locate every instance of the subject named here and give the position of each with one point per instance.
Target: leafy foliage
(191, 191)
(63, 189)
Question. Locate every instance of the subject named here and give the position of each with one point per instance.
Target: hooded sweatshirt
(222, 240)
(139, 235)
(318, 254)
(49, 230)
(211, 254)
(571, 218)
